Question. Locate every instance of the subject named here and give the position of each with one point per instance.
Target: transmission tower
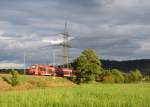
(66, 46)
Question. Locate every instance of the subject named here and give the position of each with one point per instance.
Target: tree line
(89, 68)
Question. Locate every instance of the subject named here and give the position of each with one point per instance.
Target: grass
(86, 95)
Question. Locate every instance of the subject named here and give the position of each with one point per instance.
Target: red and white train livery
(39, 69)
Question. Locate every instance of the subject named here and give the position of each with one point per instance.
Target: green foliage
(127, 78)
(147, 78)
(119, 78)
(108, 79)
(88, 66)
(139, 75)
(14, 79)
(112, 76)
(133, 76)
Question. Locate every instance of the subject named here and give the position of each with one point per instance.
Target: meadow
(84, 95)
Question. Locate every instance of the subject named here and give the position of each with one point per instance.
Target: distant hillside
(126, 66)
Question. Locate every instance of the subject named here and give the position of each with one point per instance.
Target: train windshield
(33, 66)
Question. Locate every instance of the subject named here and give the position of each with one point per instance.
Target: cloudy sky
(116, 29)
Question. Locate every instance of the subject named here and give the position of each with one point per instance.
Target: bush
(106, 77)
(14, 79)
(133, 76)
(113, 75)
(127, 78)
(147, 78)
(139, 75)
(118, 76)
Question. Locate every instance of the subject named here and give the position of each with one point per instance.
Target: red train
(38, 69)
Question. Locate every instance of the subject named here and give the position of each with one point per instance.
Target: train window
(33, 67)
(42, 69)
(67, 72)
(50, 70)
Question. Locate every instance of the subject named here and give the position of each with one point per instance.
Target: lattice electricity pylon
(66, 46)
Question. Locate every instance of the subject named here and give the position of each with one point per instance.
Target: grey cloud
(115, 29)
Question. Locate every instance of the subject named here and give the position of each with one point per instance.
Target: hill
(143, 65)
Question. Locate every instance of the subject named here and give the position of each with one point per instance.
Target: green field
(86, 95)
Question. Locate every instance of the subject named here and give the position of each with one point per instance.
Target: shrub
(127, 78)
(14, 79)
(118, 76)
(108, 79)
(112, 76)
(136, 75)
(147, 78)
(133, 76)
(139, 75)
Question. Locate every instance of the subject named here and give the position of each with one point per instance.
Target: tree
(119, 78)
(136, 75)
(133, 76)
(88, 66)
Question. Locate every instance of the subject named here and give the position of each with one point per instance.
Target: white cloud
(53, 42)
(9, 65)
